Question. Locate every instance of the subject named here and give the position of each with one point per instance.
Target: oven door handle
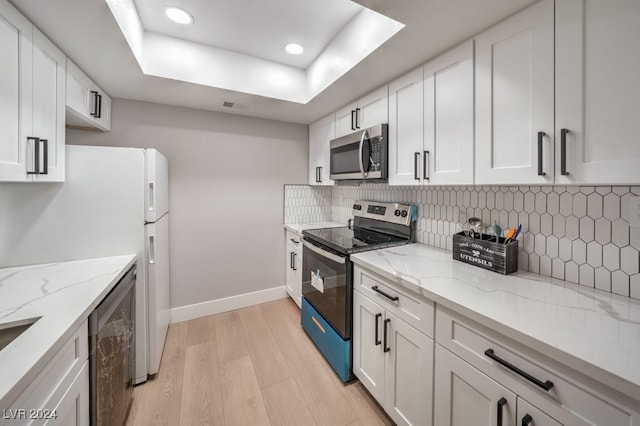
(334, 257)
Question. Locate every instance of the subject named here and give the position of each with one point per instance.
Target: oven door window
(326, 284)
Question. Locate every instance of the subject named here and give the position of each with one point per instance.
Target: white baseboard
(211, 307)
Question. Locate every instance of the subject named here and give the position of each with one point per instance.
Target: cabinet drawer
(293, 239)
(413, 309)
(50, 385)
(568, 399)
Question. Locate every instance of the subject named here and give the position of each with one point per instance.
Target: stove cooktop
(347, 240)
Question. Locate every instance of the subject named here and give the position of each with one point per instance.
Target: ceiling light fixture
(294, 48)
(179, 16)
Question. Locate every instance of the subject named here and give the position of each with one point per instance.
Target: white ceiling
(255, 27)
(88, 33)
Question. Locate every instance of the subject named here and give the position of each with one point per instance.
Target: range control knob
(404, 213)
(397, 212)
(357, 207)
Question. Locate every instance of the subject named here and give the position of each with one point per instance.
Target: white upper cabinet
(320, 134)
(370, 110)
(87, 104)
(406, 129)
(32, 75)
(49, 84)
(373, 109)
(15, 77)
(515, 99)
(597, 91)
(448, 118)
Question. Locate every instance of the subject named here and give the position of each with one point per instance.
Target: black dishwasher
(112, 353)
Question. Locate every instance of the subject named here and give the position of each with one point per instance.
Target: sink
(11, 330)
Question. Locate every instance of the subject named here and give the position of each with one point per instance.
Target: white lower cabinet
(427, 364)
(59, 395)
(476, 368)
(394, 361)
(73, 408)
(465, 396)
(293, 265)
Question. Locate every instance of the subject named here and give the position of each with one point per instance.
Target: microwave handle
(365, 135)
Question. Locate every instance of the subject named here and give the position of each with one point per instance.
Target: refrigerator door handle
(152, 197)
(152, 250)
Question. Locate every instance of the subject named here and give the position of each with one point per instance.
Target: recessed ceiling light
(179, 16)
(294, 48)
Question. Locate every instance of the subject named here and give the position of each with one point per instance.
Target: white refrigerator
(114, 201)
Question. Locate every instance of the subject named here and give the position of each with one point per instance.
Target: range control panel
(389, 212)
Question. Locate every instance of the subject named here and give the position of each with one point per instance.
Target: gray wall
(226, 192)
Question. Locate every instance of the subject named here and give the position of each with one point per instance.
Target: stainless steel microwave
(360, 156)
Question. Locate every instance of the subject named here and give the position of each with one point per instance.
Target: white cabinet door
(87, 105)
(79, 100)
(293, 274)
(465, 396)
(368, 355)
(514, 99)
(597, 91)
(368, 111)
(406, 129)
(346, 120)
(373, 109)
(15, 86)
(73, 408)
(104, 111)
(448, 117)
(320, 134)
(290, 273)
(408, 373)
(49, 91)
(528, 415)
(293, 267)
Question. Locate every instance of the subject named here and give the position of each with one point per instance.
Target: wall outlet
(634, 212)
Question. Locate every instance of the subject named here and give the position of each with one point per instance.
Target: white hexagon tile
(579, 234)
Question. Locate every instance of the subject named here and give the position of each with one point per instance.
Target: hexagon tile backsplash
(578, 234)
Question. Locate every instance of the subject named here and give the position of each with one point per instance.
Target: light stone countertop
(593, 332)
(63, 295)
(299, 227)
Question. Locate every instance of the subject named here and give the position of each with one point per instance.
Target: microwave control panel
(376, 148)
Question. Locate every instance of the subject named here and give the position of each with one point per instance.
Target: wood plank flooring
(253, 366)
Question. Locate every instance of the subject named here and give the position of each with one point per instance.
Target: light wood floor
(253, 366)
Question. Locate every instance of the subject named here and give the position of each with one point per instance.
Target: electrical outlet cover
(634, 212)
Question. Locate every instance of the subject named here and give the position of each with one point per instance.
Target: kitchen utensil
(515, 237)
(476, 224)
(462, 220)
(497, 230)
(510, 234)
